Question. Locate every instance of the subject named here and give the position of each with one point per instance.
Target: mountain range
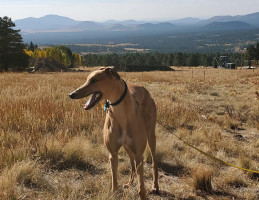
(59, 23)
(54, 29)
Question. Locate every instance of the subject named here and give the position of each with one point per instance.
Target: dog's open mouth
(93, 100)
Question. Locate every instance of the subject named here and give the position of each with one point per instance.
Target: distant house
(225, 64)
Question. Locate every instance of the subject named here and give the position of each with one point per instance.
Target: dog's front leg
(114, 168)
(139, 167)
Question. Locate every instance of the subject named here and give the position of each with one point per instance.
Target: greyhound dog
(130, 121)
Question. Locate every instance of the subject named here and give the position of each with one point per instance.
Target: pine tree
(257, 51)
(12, 53)
(251, 52)
(179, 59)
(32, 47)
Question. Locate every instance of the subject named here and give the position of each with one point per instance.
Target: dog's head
(99, 85)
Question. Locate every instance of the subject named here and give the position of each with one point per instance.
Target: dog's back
(146, 105)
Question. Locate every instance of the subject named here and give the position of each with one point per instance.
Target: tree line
(160, 59)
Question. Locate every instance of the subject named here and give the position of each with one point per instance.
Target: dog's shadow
(170, 170)
(82, 166)
(169, 196)
(173, 170)
(163, 194)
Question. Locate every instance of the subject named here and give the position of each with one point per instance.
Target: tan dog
(130, 121)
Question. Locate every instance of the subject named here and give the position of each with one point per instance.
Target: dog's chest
(125, 139)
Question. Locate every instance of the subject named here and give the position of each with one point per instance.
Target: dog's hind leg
(152, 147)
(139, 168)
(133, 168)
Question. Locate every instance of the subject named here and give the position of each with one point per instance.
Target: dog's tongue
(90, 101)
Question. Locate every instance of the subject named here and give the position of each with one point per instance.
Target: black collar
(108, 104)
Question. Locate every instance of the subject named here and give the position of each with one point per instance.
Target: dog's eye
(93, 81)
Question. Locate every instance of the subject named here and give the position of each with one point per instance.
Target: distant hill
(124, 22)
(186, 21)
(252, 19)
(118, 27)
(48, 22)
(88, 25)
(159, 27)
(227, 26)
(219, 19)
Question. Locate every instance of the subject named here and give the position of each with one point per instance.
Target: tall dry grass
(51, 148)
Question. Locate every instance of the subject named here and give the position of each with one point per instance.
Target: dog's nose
(72, 95)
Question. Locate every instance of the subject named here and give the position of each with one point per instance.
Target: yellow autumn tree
(53, 53)
(77, 59)
(28, 52)
(60, 54)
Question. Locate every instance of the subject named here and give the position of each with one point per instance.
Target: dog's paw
(155, 191)
(126, 186)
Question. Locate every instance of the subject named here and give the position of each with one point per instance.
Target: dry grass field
(50, 148)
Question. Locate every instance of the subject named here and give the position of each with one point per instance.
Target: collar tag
(106, 106)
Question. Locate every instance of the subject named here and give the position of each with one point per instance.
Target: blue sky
(101, 10)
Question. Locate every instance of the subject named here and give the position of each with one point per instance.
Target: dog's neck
(120, 110)
(118, 93)
(108, 103)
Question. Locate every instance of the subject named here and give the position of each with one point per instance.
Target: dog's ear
(112, 71)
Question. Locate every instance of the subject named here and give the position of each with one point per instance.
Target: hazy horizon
(103, 10)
